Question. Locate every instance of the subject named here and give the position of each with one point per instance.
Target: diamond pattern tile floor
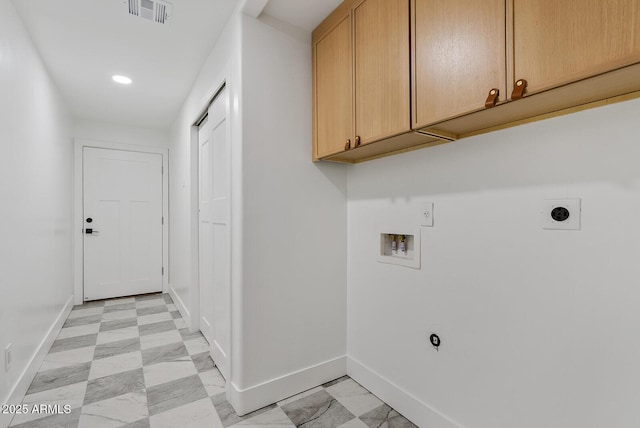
(132, 362)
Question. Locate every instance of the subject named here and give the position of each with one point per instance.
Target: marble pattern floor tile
(80, 330)
(53, 421)
(72, 395)
(154, 318)
(213, 382)
(160, 339)
(67, 358)
(160, 354)
(354, 397)
(274, 418)
(118, 335)
(79, 312)
(174, 394)
(128, 306)
(319, 410)
(57, 378)
(110, 349)
(73, 322)
(156, 374)
(203, 361)
(157, 327)
(385, 417)
(198, 414)
(115, 412)
(74, 343)
(119, 315)
(133, 363)
(114, 385)
(152, 310)
(197, 346)
(228, 416)
(118, 324)
(118, 301)
(116, 364)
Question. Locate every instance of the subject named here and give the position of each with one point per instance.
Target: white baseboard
(253, 398)
(406, 404)
(184, 312)
(25, 379)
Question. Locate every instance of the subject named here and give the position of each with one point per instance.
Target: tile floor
(131, 362)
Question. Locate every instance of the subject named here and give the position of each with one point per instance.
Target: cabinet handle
(518, 89)
(357, 141)
(492, 98)
(347, 146)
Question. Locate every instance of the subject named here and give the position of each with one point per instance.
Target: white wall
(223, 63)
(538, 327)
(114, 133)
(35, 209)
(294, 229)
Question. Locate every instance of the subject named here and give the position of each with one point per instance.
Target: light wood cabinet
(333, 92)
(395, 75)
(382, 75)
(362, 80)
(559, 42)
(458, 57)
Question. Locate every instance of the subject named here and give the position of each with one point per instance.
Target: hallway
(131, 362)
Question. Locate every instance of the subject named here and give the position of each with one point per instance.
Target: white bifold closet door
(214, 230)
(122, 204)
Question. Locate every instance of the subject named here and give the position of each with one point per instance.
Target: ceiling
(84, 42)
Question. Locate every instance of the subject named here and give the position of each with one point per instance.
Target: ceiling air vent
(153, 10)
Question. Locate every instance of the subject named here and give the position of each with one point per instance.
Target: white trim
(79, 144)
(22, 385)
(255, 397)
(406, 404)
(184, 312)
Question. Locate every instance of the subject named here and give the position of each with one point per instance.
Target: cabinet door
(557, 42)
(382, 76)
(334, 90)
(459, 56)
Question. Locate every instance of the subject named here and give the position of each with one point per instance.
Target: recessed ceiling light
(124, 80)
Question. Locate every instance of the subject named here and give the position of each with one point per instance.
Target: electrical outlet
(7, 358)
(561, 214)
(426, 214)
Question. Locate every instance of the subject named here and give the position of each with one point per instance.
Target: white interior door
(215, 244)
(122, 198)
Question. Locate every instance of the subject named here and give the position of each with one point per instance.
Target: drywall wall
(35, 211)
(538, 327)
(221, 66)
(115, 133)
(294, 229)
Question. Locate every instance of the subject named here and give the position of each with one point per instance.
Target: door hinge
(162, 169)
(163, 220)
(162, 270)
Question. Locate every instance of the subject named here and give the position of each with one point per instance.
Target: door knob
(89, 231)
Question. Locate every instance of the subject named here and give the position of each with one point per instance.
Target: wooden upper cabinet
(458, 55)
(382, 74)
(558, 42)
(333, 90)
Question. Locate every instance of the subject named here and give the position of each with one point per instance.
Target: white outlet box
(573, 210)
(426, 214)
(7, 358)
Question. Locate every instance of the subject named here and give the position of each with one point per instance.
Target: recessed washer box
(561, 214)
(400, 248)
